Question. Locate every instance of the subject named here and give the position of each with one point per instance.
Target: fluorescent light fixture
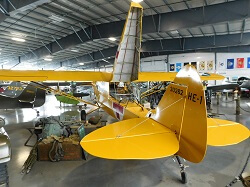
(56, 18)
(74, 50)
(112, 39)
(18, 39)
(81, 63)
(18, 34)
(105, 60)
(198, 57)
(137, 1)
(174, 32)
(47, 59)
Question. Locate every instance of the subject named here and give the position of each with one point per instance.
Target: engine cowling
(241, 80)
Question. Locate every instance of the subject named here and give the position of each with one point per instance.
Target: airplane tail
(13, 90)
(127, 59)
(182, 109)
(29, 94)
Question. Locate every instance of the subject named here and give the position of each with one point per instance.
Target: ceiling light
(74, 50)
(174, 32)
(81, 63)
(0, 49)
(47, 59)
(137, 1)
(112, 39)
(105, 60)
(18, 34)
(56, 18)
(18, 39)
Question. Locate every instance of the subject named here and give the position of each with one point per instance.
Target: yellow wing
(45, 75)
(138, 138)
(48, 75)
(169, 76)
(223, 132)
(211, 76)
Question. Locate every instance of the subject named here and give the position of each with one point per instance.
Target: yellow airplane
(179, 126)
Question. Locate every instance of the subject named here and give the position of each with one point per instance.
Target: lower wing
(138, 138)
(224, 132)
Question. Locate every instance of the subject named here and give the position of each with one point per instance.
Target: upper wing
(45, 75)
(224, 132)
(138, 138)
(48, 75)
(169, 76)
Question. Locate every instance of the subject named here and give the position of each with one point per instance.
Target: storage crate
(71, 151)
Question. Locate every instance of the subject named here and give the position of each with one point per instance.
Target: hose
(59, 152)
(240, 178)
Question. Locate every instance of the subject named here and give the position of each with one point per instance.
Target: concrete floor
(219, 167)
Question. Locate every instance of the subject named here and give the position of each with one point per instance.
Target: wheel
(183, 177)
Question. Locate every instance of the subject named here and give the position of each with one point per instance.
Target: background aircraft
(18, 95)
(31, 95)
(242, 82)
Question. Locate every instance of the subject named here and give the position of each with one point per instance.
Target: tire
(183, 177)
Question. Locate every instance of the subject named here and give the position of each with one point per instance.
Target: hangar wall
(240, 65)
(231, 65)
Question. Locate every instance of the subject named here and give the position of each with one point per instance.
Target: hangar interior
(61, 58)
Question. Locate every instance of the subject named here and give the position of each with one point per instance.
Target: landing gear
(182, 170)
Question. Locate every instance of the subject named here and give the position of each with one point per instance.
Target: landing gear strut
(182, 170)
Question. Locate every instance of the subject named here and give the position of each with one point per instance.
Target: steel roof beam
(206, 43)
(13, 6)
(235, 10)
(193, 43)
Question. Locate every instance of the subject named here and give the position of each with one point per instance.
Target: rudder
(185, 113)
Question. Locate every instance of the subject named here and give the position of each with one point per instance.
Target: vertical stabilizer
(183, 110)
(127, 60)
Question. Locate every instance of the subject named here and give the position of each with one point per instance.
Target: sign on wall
(178, 67)
(221, 65)
(210, 65)
(194, 64)
(248, 62)
(230, 63)
(202, 65)
(240, 62)
(172, 67)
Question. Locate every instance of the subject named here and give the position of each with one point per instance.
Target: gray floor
(219, 167)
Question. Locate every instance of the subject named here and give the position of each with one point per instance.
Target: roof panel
(235, 27)
(220, 28)
(195, 32)
(207, 30)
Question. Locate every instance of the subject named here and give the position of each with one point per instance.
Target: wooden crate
(71, 151)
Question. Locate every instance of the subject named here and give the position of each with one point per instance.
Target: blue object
(172, 67)
(248, 62)
(52, 129)
(230, 63)
(178, 67)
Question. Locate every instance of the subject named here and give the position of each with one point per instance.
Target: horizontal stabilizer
(224, 132)
(138, 138)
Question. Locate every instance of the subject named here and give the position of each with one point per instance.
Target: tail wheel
(183, 177)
